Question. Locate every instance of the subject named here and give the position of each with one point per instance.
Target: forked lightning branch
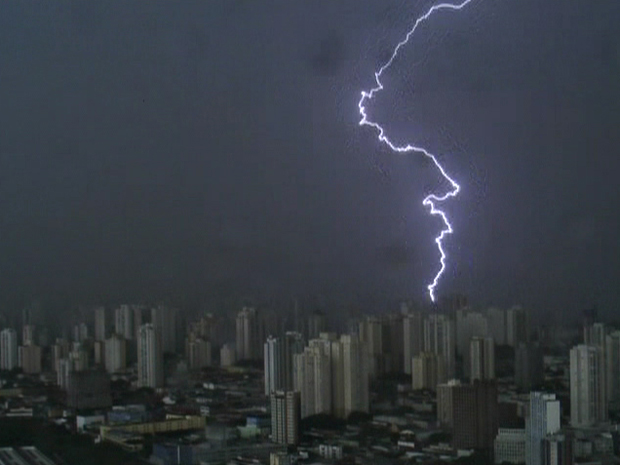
(431, 200)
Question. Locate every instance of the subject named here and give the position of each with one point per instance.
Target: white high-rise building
(355, 376)
(150, 357)
(124, 322)
(331, 376)
(543, 419)
(8, 349)
(439, 338)
(481, 358)
(313, 377)
(100, 324)
(115, 353)
(413, 337)
(588, 399)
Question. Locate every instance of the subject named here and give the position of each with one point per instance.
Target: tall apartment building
(588, 388)
(355, 376)
(313, 377)
(316, 323)
(413, 338)
(100, 324)
(543, 420)
(249, 329)
(439, 338)
(481, 359)
(228, 355)
(28, 335)
(8, 349)
(150, 357)
(29, 358)
(198, 353)
(165, 319)
(469, 324)
(115, 353)
(427, 371)
(471, 413)
(278, 359)
(496, 319)
(371, 332)
(529, 368)
(331, 376)
(517, 326)
(124, 322)
(285, 417)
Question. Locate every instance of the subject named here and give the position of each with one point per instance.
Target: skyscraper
(313, 377)
(371, 333)
(285, 417)
(427, 371)
(124, 322)
(517, 326)
(115, 353)
(471, 412)
(529, 368)
(587, 386)
(198, 353)
(315, 325)
(28, 332)
(413, 337)
(278, 359)
(439, 339)
(249, 331)
(100, 324)
(8, 349)
(355, 375)
(543, 420)
(29, 358)
(165, 319)
(469, 324)
(150, 357)
(496, 318)
(481, 358)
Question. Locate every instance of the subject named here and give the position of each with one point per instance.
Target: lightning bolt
(431, 200)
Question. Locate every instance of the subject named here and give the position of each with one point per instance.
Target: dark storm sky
(177, 148)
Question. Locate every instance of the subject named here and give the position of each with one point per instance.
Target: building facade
(150, 357)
